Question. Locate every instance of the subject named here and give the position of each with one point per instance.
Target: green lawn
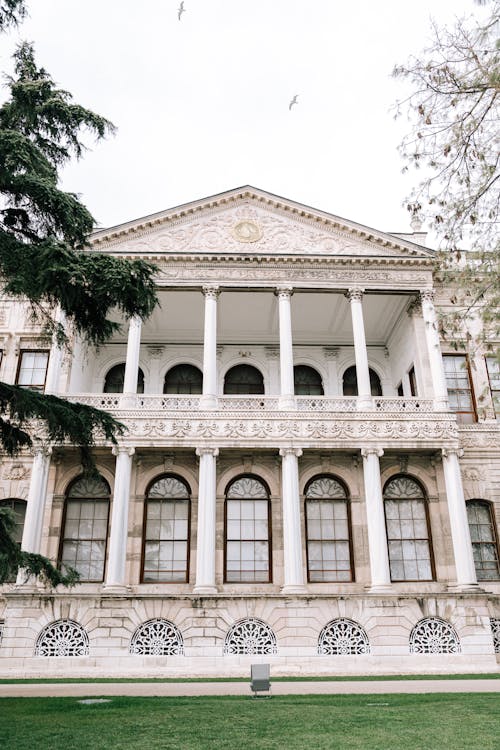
(315, 722)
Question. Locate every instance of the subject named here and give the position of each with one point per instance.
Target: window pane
(328, 552)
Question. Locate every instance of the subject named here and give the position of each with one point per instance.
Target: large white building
(309, 476)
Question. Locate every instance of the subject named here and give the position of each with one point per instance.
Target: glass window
(493, 366)
(166, 531)
(328, 531)
(484, 541)
(85, 528)
(350, 382)
(33, 370)
(183, 379)
(408, 535)
(459, 387)
(243, 379)
(248, 543)
(307, 381)
(413, 381)
(19, 509)
(114, 380)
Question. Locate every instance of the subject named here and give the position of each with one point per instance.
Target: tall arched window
(307, 381)
(350, 382)
(248, 538)
(484, 540)
(85, 527)
(166, 531)
(18, 507)
(243, 379)
(183, 379)
(113, 382)
(408, 534)
(329, 556)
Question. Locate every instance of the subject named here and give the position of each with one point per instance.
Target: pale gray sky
(201, 104)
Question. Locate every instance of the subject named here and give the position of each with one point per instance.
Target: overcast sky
(201, 104)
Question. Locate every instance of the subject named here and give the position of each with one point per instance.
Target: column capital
(355, 294)
(116, 450)
(210, 292)
(458, 452)
(207, 451)
(284, 292)
(291, 452)
(41, 450)
(427, 295)
(331, 352)
(365, 452)
(415, 307)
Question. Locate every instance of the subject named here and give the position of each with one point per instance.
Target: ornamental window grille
(432, 635)
(85, 528)
(62, 638)
(484, 540)
(250, 637)
(115, 379)
(248, 538)
(307, 381)
(328, 537)
(408, 533)
(495, 630)
(166, 531)
(183, 379)
(243, 379)
(350, 382)
(157, 638)
(343, 637)
(459, 385)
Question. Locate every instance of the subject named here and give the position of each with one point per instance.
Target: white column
(434, 350)
(205, 543)
(33, 522)
(377, 536)
(292, 538)
(460, 534)
(209, 397)
(115, 572)
(287, 394)
(133, 351)
(55, 358)
(355, 297)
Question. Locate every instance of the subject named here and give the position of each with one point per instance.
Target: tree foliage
(454, 114)
(11, 12)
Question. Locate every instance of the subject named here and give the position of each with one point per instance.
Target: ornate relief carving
(62, 638)
(16, 472)
(250, 636)
(434, 636)
(247, 230)
(157, 638)
(343, 637)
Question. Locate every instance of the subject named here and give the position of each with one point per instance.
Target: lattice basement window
(495, 629)
(434, 636)
(250, 636)
(62, 638)
(157, 638)
(343, 637)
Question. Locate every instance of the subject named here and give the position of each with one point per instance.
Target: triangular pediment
(249, 221)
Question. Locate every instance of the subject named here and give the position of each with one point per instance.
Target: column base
(116, 589)
(364, 404)
(465, 588)
(380, 588)
(208, 402)
(293, 588)
(287, 403)
(205, 590)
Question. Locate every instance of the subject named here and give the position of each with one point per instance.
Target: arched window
(432, 635)
(157, 637)
(166, 531)
(85, 528)
(18, 507)
(243, 379)
(343, 637)
(484, 540)
(328, 531)
(408, 535)
(250, 636)
(183, 379)
(307, 381)
(350, 382)
(113, 382)
(248, 541)
(62, 638)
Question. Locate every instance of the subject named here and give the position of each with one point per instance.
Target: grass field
(313, 722)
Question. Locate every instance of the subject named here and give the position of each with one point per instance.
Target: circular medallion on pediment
(247, 230)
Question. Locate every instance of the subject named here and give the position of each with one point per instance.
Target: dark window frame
(375, 382)
(189, 368)
(470, 389)
(246, 388)
(315, 382)
(495, 392)
(493, 543)
(40, 387)
(140, 378)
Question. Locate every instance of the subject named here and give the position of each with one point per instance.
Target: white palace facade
(309, 476)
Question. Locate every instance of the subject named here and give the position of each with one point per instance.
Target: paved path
(80, 689)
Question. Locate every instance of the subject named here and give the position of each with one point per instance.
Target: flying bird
(294, 101)
(181, 9)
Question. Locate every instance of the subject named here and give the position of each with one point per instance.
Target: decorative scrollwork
(62, 638)
(434, 636)
(250, 636)
(247, 488)
(343, 637)
(495, 629)
(157, 638)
